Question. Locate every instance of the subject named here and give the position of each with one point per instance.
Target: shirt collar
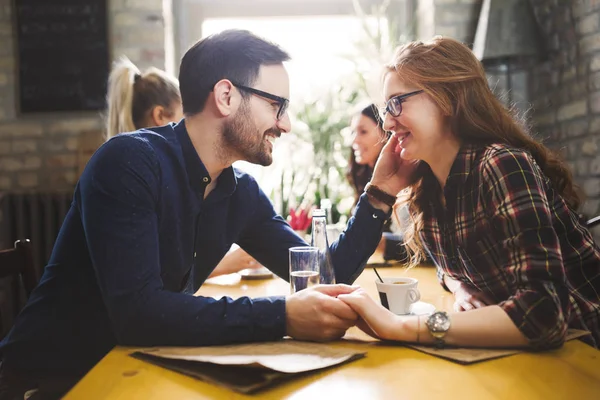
(197, 173)
(463, 164)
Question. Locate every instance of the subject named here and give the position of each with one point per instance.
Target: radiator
(34, 216)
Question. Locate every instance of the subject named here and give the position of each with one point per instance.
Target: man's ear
(226, 97)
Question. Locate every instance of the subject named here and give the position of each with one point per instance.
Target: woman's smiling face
(421, 124)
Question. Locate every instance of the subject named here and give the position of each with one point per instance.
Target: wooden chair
(18, 263)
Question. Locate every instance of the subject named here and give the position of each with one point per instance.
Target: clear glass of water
(304, 268)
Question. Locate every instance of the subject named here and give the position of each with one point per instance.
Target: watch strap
(439, 343)
(380, 195)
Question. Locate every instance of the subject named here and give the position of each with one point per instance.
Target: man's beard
(242, 138)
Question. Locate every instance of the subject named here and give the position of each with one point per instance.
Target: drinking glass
(304, 268)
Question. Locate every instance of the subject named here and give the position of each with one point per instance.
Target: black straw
(376, 273)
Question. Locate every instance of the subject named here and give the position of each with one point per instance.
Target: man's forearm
(179, 319)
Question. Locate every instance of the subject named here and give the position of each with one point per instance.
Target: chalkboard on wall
(63, 56)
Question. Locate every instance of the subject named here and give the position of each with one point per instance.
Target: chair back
(18, 264)
(593, 222)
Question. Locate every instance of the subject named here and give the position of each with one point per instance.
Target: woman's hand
(235, 261)
(467, 298)
(392, 174)
(376, 320)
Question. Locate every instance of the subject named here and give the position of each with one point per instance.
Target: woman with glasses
(495, 210)
(139, 100)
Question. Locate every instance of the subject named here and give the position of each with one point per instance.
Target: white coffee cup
(398, 294)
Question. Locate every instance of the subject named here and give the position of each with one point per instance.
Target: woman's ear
(159, 116)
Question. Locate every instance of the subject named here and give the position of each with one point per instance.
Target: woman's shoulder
(500, 156)
(502, 150)
(500, 161)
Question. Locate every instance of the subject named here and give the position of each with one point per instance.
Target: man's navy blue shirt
(140, 238)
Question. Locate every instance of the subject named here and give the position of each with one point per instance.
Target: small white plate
(255, 274)
(422, 308)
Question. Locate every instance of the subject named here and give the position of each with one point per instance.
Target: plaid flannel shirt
(508, 233)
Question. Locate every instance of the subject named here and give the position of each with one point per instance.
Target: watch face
(439, 322)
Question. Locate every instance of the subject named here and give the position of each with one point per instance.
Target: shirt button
(194, 254)
(205, 179)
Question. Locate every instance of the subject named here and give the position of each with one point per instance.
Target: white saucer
(422, 308)
(256, 274)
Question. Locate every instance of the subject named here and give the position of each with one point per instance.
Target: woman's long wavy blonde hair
(450, 73)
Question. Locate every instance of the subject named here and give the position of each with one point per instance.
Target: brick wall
(40, 152)
(565, 89)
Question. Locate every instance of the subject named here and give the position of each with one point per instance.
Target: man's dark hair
(234, 54)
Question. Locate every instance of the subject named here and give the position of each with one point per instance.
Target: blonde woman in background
(137, 100)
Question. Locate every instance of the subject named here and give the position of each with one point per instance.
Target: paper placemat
(473, 355)
(247, 368)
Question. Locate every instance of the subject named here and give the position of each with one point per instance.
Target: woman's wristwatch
(438, 324)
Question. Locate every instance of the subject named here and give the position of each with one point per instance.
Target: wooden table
(388, 372)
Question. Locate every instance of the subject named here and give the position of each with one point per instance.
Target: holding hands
(325, 312)
(375, 320)
(317, 314)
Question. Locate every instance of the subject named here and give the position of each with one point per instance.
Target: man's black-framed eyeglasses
(282, 101)
(394, 105)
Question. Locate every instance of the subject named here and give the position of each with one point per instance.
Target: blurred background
(542, 58)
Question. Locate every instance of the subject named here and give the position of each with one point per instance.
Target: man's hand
(316, 314)
(392, 174)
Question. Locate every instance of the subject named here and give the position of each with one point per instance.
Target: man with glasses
(154, 212)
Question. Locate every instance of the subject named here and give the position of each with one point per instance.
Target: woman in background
(139, 100)
(368, 138)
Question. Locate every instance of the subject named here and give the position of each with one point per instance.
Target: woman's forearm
(483, 327)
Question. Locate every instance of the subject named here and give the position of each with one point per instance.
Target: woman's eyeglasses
(394, 105)
(282, 101)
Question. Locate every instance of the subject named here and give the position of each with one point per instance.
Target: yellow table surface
(387, 372)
